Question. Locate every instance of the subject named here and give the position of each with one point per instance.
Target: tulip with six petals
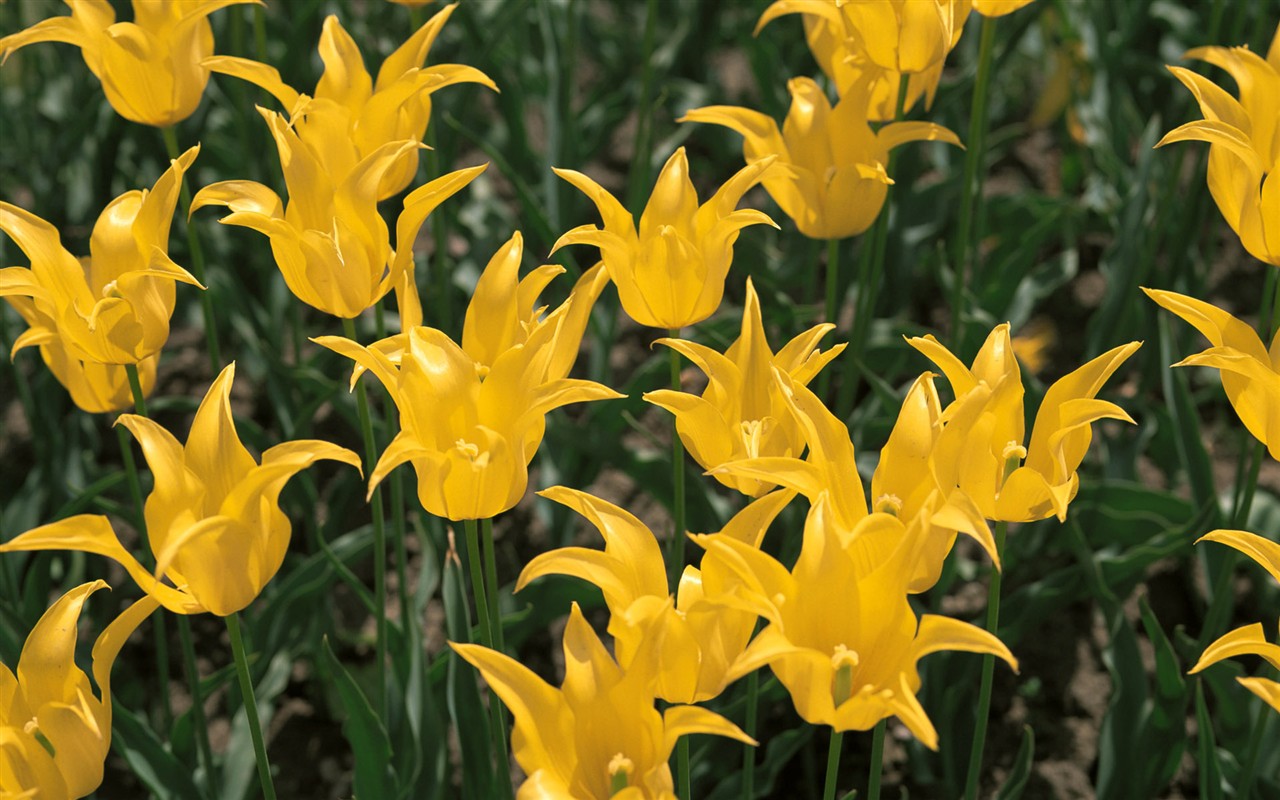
(213, 519)
(54, 733)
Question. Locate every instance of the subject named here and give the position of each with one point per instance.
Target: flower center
(620, 769)
(844, 661)
(471, 451)
(1013, 455)
(752, 435)
(889, 504)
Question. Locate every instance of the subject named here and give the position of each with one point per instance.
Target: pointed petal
(680, 721)
(1247, 640)
(1263, 551)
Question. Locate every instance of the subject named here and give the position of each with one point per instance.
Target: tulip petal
(1268, 690)
(592, 566)
(1262, 550)
(261, 75)
(627, 540)
(937, 633)
(896, 133)
(616, 218)
(907, 708)
(1248, 640)
(47, 669)
(680, 721)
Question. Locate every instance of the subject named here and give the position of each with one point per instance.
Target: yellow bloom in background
(113, 307)
(95, 388)
(330, 242)
(741, 413)
(1250, 639)
(998, 8)
(598, 736)
(54, 732)
(880, 43)
(842, 637)
(1250, 373)
(981, 447)
(1243, 138)
(151, 69)
(831, 178)
(670, 272)
(352, 115)
(696, 640)
(213, 519)
(470, 427)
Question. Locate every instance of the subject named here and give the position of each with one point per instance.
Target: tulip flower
(741, 413)
(213, 519)
(352, 116)
(151, 69)
(834, 182)
(95, 388)
(1250, 373)
(1242, 134)
(470, 428)
(54, 732)
(330, 242)
(670, 272)
(998, 8)
(881, 43)
(981, 449)
(1250, 639)
(697, 640)
(114, 306)
(598, 736)
(841, 634)
(933, 514)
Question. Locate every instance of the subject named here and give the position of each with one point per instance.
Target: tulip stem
(498, 729)
(833, 765)
(970, 195)
(197, 704)
(379, 533)
(1249, 770)
(988, 672)
(197, 256)
(682, 768)
(749, 751)
(829, 309)
(491, 583)
(401, 531)
(877, 760)
(675, 548)
(250, 706)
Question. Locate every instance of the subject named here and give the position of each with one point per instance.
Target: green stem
(682, 768)
(675, 548)
(197, 257)
(833, 765)
(749, 751)
(877, 761)
(988, 672)
(401, 530)
(491, 583)
(497, 726)
(962, 258)
(829, 308)
(1248, 770)
(379, 533)
(250, 706)
(197, 704)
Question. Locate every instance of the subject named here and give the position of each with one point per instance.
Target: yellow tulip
(880, 43)
(330, 242)
(981, 449)
(95, 388)
(1250, 373)
(1243, 138)
(472, 417)
(671, 271)
(352, 116)
(598, 736)
(113, 307)
(54, 733)
(697, 640)
(150, 68)
(213, 519)
(1250, 639)
(998, 8)
(741, 413)
(834, 182)
(842, 637)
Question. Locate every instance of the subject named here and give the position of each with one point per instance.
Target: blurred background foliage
(1104, 611)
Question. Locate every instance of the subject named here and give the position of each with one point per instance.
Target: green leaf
(365, 733)
(463, 695)
(1210, 770)
(1016, 783)
(240, 764)
(148, 759)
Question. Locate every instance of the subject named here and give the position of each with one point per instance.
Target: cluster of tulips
(839, 630)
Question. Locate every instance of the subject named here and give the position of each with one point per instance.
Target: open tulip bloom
(1250, 372)
(741, 414)
(980, 449)
(351, 116)
(330, 242)
(831, 177)
(597, 737)
(213, 519)
(151, 69)
(670, 271)
(842, 637)
(54, 732)
(114, 306)
(697, 640)
(1250, 639)
(1243, 138)
(472, 417)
